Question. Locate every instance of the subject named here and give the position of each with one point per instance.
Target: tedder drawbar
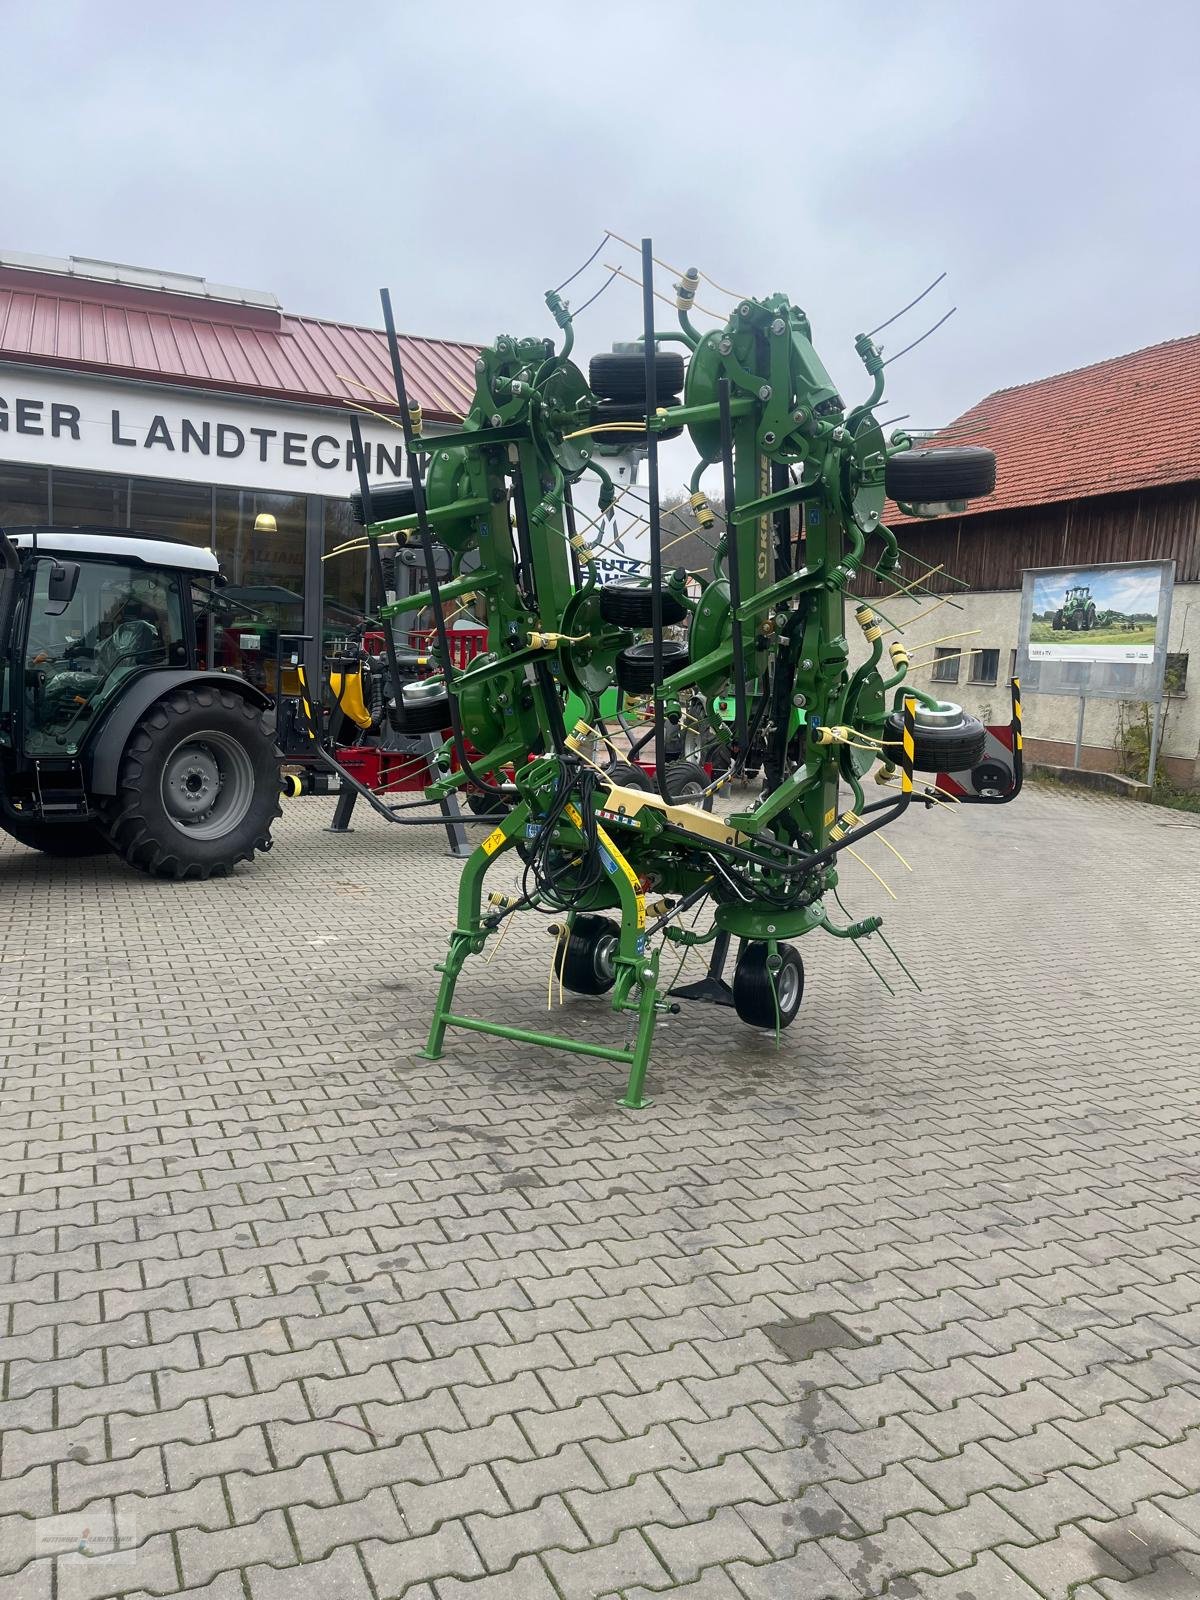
(618, 857)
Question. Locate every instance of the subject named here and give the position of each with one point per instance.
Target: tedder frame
(805, 478)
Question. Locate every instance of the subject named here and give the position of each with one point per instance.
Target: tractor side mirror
(61, 586)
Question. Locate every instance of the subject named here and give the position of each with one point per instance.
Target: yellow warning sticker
(620, 862)
(493, 842)
(830, 815)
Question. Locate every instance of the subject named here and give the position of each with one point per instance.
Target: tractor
(113, 735)
(1077, 612)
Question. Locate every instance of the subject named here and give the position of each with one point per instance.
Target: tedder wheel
(635, 666)
(687, 781)
(621, 375)
(629, 605)
(424, 713)
(763, 998)
(921, 476)
(388, 500)
(198, 787)
(585, 959)
(945, 740)
(627, 776)
(58, 838)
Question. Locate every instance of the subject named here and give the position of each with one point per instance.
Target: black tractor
(113, 734)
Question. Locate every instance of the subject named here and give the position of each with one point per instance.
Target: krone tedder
(623, 863)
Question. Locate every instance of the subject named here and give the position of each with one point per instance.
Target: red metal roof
(1130, 423)
(165, 338)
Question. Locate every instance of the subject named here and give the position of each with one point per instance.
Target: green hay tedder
(611, 850)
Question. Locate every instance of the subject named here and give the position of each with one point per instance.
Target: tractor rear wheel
(198, 787)
(58, 838)
(764, 998)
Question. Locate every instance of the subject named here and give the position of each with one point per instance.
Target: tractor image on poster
(1077, 612)
(620, 859)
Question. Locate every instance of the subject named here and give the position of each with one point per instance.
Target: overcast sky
(470, 156)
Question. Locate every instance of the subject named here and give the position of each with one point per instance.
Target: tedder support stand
(712, 987)
(450, 809)
(636, 968)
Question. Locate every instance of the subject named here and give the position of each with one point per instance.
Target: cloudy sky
(470, 156)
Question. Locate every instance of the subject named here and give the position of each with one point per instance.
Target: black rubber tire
(627, 776)
(483, 804)
(584, 958)
(686, 781)
(137, 822)
(992, 776)
(388, 500)
(762, 1000)
(635, 666)
(629, 413)
(955, 749)
(1058, 622)
(923, 476)
(621, 375)
(630, 605)
(425, 716)
(63, 839)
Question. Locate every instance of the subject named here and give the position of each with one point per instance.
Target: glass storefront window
(182, 511)
(24, 494)
(95, 498)
(346, 574)
(264, 568)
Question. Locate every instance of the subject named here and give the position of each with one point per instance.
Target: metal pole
(734, 570)
(1079, 735)
(656, 622)
(1154, 737)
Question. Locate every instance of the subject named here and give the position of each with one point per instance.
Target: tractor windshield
(120, 618)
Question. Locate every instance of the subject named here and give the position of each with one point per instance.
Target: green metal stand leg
(647, 1016)
(460, 949)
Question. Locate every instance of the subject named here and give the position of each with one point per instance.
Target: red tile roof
(169, 338)
(1129, 423)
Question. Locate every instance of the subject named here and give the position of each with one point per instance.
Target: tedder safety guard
(625, 863)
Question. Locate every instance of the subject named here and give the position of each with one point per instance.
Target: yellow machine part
(348, 692)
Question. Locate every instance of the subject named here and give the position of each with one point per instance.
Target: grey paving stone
(261, 1264)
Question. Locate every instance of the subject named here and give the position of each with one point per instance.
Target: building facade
(163, 403)
(1096, 466)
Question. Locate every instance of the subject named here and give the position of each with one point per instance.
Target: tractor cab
(90, 610)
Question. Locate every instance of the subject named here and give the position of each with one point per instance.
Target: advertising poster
(1096, 614)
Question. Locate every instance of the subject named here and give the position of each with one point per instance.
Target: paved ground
(291, 1314)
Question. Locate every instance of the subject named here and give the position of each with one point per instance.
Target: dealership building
(1095, 467)
(164, 403)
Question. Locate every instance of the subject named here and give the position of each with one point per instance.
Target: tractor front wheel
(198, 787)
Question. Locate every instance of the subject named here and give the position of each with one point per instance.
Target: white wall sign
(144, 431)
